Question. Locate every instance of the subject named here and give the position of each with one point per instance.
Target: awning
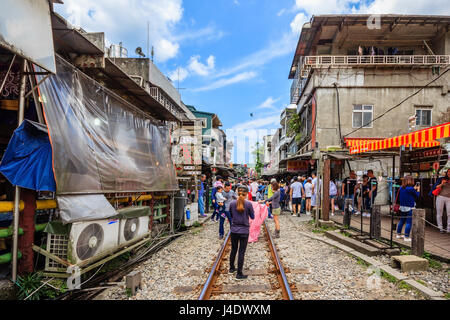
(303, 156)
(27, 162)
(424, 138)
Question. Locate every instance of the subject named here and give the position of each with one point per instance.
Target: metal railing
(158, 95)
(326, 61)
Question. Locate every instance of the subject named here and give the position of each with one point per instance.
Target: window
(423, 117)
(204, 122)
(362, 116)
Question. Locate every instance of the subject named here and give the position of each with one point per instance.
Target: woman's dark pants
(240, 240)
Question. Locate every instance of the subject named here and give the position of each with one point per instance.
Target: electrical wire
(399, 104)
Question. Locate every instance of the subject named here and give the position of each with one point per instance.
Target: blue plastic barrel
(188, 214)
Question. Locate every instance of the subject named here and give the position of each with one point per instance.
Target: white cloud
(284, 45)
(199, 68)
(439, 7)
(269, 103)
(298, 22)
(126, 20)
(306, 8)
(244, 76)
(265, 122)
(179, 74)
(281, 12)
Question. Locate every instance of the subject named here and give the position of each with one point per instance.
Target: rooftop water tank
(118, 51)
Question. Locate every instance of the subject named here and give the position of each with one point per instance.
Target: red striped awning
(424, 138)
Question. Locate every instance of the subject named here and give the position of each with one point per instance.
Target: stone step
(354, 244)
(352, 233)
(376, 244)
(409, 263)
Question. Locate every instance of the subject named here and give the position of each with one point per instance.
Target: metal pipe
(17, 189)
(7, 73)
(339, 113)
(37, 104)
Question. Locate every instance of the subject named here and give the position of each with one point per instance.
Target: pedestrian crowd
(233, 201)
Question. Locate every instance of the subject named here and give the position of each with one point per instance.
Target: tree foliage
(294, 126)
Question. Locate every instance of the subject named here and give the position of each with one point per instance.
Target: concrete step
(352, 233)
(352, 243)
(376, 244)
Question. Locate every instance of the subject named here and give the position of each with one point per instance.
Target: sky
(229, 57)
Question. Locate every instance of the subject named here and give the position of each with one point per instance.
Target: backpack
(282, 194)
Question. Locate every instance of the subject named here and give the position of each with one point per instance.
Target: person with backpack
(282, 197)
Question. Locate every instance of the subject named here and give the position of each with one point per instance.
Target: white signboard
(26, 29)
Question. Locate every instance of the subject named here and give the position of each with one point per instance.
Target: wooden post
(418, 232)
(26, 222)
(375, 222)
(326, 190)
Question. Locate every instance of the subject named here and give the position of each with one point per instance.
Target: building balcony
(159, 96)
(365, 61)
(307, 63)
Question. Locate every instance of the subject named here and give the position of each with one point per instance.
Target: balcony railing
(308, 62)
(158, 95)
(327, 61)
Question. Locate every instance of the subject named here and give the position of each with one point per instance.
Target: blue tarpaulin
(27, 162)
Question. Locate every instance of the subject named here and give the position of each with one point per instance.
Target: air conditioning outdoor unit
(91, 238)
(133, 228)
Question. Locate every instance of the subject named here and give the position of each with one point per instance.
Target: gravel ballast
(179, 270)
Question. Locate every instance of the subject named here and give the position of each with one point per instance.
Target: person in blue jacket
(408, 194)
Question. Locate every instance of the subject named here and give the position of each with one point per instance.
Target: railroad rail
(210, 288)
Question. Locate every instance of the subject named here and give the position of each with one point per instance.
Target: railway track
(269, 279)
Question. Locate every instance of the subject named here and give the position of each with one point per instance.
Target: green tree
(258, 153)
(294, 127)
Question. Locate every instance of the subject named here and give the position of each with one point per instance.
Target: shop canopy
(424, 138)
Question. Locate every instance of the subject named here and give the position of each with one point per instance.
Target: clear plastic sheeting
(75, 208)
(100, 142)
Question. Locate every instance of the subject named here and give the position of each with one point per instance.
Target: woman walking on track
(276, 209)
(241, 210)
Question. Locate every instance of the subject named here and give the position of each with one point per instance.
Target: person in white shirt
(253, 188)
(296, 196)
(308, 194)
(315, 190)
(333, 194)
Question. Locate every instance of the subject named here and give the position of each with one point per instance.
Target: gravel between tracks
(184, 263)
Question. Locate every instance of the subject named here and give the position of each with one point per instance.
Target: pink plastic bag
(255, 224)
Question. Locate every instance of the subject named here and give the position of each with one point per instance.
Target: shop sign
(193, 173)
(297, 165)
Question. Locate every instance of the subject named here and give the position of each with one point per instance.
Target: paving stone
(409, 263)
(184, 289)
(305, 287)
(244, 288)
(376, 244)
(352, 243)
(395, 273)
(323, 223)
(393, 252)
(366, 258)
(426, 291)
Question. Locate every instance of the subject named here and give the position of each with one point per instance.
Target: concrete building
(348, 75)
(214, 141)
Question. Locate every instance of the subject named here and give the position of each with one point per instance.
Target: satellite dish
(139, 52)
